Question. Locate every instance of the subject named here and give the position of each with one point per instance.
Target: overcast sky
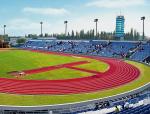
(23, 16)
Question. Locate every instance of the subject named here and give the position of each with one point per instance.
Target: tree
(77, 35)
(72, 34)
(34, 36)
(68, 36)
(135, 35)
(1, 37)
(82, 34)
(90, 35)
(21, 41)
(46, 35)
(131, 34)
(138, 36)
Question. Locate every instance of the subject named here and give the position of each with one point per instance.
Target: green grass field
(62, 73)
(21, 60)
(18, 60)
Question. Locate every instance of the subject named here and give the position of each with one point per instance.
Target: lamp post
(41, 28)
(4, 29)
(65, 22)
(96, 20)
(143, 18)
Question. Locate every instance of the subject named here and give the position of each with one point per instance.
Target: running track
(119, 73)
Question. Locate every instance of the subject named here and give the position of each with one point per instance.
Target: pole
(66, 29)
(96, 20)
(41, 29)
(143, 19)
(96, 28)
(143, 30)
(4, 29)
(65, 22)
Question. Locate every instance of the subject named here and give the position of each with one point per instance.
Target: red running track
(119, 73)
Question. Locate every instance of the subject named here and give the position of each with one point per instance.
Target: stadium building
(120, 26)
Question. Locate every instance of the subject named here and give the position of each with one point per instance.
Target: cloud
(46, 11)
(22, 26)
(115, 3)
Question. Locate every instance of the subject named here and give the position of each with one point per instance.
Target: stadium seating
(143, 109)
(137, 51)
(142, 52)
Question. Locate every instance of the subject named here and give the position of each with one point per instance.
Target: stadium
(69, 77)
(75, 57)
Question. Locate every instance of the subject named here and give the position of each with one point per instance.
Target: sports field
(52, 78)
(19, 60)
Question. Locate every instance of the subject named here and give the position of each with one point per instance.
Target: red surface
(119, 73)
(44, 69)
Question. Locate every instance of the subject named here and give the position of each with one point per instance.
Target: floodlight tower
(143, 19)
(4, 29)
(41, 28)
(96, 20)
(66, 22)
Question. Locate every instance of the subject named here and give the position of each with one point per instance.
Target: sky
(23, 17)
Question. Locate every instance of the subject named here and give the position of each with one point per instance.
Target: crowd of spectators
(138, 51)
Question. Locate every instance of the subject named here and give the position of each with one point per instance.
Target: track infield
(116, 74)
